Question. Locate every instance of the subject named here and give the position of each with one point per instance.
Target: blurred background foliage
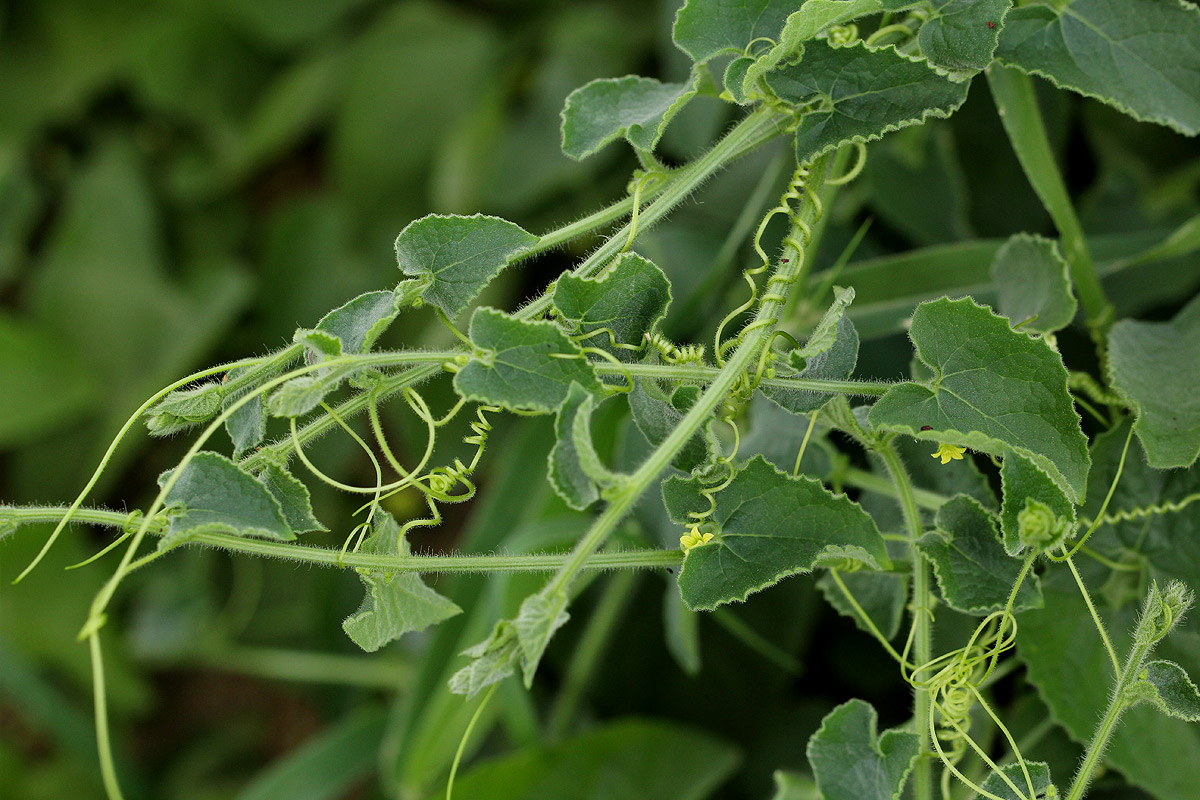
(185, 182)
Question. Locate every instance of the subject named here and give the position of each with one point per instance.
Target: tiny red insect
(926, 427)
(784, 260)
(991, 24)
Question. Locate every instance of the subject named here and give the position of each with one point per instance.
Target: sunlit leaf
(214, 495)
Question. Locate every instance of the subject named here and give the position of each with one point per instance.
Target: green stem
(755, 337)
(922, 609)
(871, 482)
(580, 227)
(1016, 101)
(703, 374)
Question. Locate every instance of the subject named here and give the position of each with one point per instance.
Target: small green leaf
(974, 572)
(215, 495)
(293, 497)
(859, 94)
(1039, 775)
(247, 426)
(633, 107)
(459, 256)
(359, 323)
(576, 472)
(1033, 284)
(655, 416)
(396, 602)
(319, 343)
(707, 28)
(767, 525)
(183, 408)
(735, 79)
(302, 394)
(852, 762)
(630, 298)
(522, 365)
(540, 616)
(492, 660)
(1156, 367)
(961, 35)
(882, 595)
(994, 389)
(1166, 686)
(830, 353)
(1139, 56)
(1034, 511)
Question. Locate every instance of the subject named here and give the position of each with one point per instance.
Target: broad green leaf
(813, 17)
(994, 389)
(521, 365)
(851, 761)
(623, 760)
(294, 499)
(1139, 56)
(656, 416)
(707, 28)
(1039, 776)
(395, 602)
(184, 408)
(628, 300)
(1034, 511)
(961, 35)
(1059, 644)
(830, 353)
(1033, 284)
(215, 495)
(859, 94)
(1166, 686)
(957, 477)
(633, 107)
(767, 525)
(1156, 367)
(327, 765)
(575, 468)
(540, 616)
(882, 595)
(458, 256)
(973, 571)
(492, 660)
(358, 323)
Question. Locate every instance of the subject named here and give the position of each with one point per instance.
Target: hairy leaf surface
(638, 109)
(961, 35)
(628, 299)
(1033, 284)
(215, 495)
(851, 761)
(707, 28)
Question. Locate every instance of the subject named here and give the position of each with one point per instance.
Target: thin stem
(573, 230)
(704, 374)
(1017, 103)
(922, 610)
(108, 773)
(1087, 598)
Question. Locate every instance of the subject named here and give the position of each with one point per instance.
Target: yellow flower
(693, 538)
(946, 452)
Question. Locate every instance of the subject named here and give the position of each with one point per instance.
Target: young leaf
(735, 80)
(830, 353)
(852, 762)
(1034, 511)
(883, 595)
(973, 571)
(183, 408)
(1139, 56)
(575, 468)
(540, 616)
(860, 94)
(1033, 284)
(1039, 776)
(356, 325)
(767, 525)
(1166, 686)
(247, 426)
(395, 602)
(304, 393)
(961, 35)
(1156, 367)
(606, 109)
(492, 660)
(656, 416)
(215, 495)
(994, 389)
(628, 299)
(458, 256)
(707, 28)
(522, 365)
(294, 499)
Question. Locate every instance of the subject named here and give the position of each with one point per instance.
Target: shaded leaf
(458, 256)
(518, 368)
(1156, 367)
(830, 353)
(852, 762)
(656, 416)
(1139, 56)
(859, 94)
(395, 602)
(973, 571)
(707, 28)
(628, 299)
(304, 393)
(1166, 686)
(575, 468)
(638, 109)
(882, 595)
(1039, 775)
(994, 389)
(1034, 512)
(961, 35)
(540, 616)
(294, 499)
(215, 495)
(1033, 284)
(767, 526)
